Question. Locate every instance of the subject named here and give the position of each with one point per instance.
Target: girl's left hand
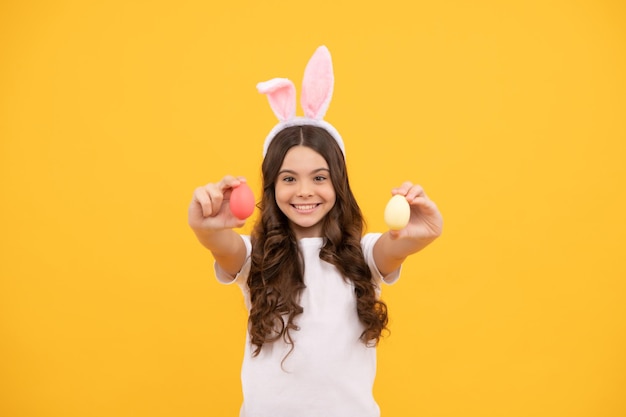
(426, 222)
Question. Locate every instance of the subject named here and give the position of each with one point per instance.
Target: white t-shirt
(330, 372)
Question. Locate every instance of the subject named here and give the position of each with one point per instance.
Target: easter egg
(397, 212)
(242, 201)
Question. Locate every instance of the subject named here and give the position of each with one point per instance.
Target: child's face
(304, 191)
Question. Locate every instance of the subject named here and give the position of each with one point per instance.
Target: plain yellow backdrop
(511, 114)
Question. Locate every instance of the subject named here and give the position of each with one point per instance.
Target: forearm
(226, 246)
(389, 253)
(217, 241)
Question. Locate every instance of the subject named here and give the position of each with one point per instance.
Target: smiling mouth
(304, 207)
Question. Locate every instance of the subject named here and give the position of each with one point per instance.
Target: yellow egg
(397, 212)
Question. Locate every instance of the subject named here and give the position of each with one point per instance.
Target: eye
(320, 178)
(288, 179)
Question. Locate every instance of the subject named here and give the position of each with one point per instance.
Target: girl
(310, 278)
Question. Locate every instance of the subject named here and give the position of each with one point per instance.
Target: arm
(212, 221)
(425, 225)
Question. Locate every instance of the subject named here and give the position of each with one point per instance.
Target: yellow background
(511, 114)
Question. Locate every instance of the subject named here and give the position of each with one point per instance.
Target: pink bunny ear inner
(281, 94)
(317, 84)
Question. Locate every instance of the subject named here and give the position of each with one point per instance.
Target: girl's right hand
(210, 207)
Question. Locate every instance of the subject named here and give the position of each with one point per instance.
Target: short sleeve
(367, 244)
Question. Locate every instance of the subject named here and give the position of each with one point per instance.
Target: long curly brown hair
(276, 273)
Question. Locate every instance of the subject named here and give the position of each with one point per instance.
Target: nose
(304, 189)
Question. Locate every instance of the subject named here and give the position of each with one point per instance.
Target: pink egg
(242, 201)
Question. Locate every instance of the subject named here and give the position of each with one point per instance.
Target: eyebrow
(290, 171)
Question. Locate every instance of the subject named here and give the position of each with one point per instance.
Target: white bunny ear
(281, 94)
(317, 84)
(317, 90)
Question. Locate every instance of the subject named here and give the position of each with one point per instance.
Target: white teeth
(305, 206)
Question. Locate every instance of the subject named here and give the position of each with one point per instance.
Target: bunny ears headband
(317, 90)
